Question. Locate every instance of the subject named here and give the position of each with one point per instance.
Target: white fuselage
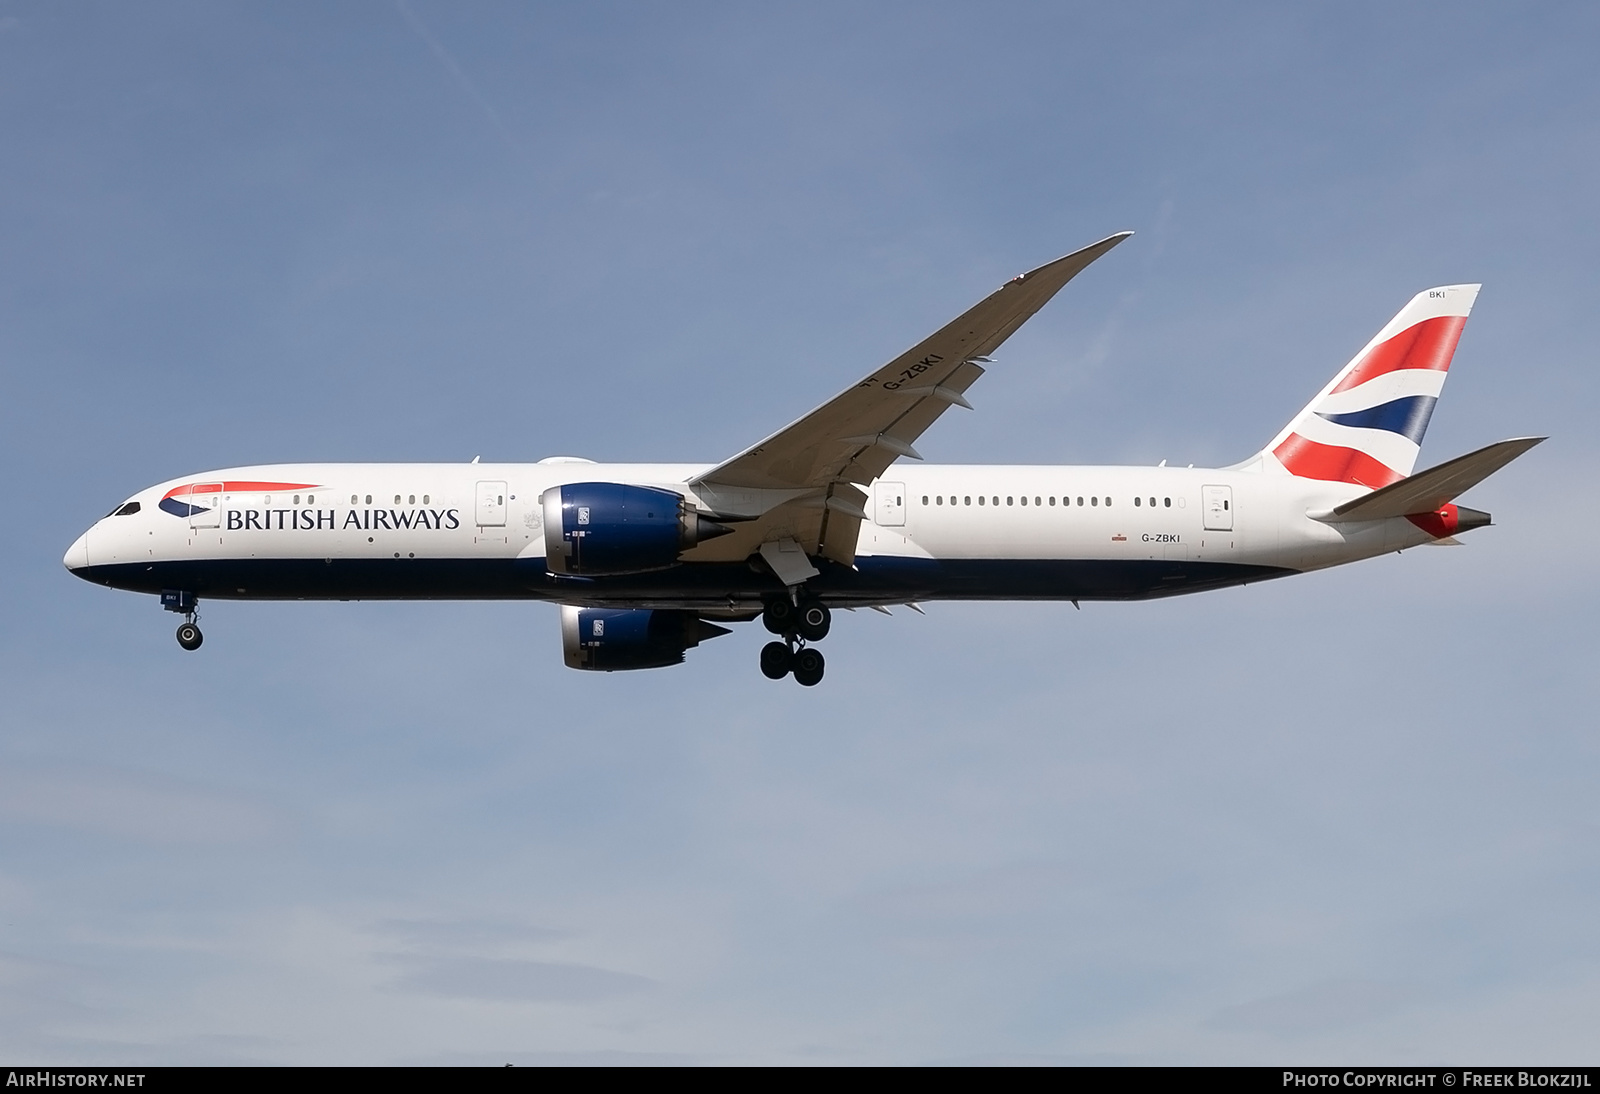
(350, 531)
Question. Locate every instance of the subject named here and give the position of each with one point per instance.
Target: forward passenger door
(205, 504)
(490, 510)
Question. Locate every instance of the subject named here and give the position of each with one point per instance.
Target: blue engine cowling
(613, 639)
(614, 528)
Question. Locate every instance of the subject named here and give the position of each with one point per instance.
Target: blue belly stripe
(875, 579)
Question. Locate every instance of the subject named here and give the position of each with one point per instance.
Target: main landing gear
(798, 624)
(189, 636)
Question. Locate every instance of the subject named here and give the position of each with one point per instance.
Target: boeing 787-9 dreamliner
(648, 560)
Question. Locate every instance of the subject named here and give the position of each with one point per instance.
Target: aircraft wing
(857, 434)
(854, 437)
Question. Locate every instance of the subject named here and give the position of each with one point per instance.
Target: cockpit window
(125, 510)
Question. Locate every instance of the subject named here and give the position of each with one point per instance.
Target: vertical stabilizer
(1366, 426)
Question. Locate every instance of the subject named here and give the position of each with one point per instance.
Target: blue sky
(1345, 817)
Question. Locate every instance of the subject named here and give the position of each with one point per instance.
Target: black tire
(813, 622)
(189, 636)
(775, 660)
(778, 617)
(808, 666)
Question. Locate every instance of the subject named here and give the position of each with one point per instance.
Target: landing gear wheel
(813, 622)
(778, 616)
(189, 636)
(776, 660)
(808, 666)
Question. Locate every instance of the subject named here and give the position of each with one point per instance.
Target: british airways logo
(309, 520)
(194, 498)
(205, 504)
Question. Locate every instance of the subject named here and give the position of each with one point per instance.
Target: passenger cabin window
(1008, 501)
(997, 501)
(412, 500)
(354, 499)
(980, 499)
(369, 499)
(1094, 501)
(424, 499)
(1080, 501)
(968, 499)
(127, 509)
(397, 499)
(1136, 501)
(1167, 502)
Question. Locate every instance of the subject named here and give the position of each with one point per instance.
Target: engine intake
(613, 528)
(618, 639)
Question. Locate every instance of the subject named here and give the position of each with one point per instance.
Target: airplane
(649, 560)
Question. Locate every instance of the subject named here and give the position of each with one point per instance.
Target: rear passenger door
(891, 507)
(1217, 502)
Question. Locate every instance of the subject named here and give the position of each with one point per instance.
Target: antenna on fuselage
(475, 459)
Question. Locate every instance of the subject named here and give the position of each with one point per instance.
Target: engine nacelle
(613, 639)
(614, 528)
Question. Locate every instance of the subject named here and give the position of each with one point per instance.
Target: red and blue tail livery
(1366, 426)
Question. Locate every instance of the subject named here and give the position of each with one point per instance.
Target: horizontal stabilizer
(1427, 491)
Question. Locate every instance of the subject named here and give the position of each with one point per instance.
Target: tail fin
(1366, 426)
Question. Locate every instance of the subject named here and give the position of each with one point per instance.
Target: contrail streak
(449, 62)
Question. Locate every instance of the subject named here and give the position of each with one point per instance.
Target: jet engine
(613, 639)
(601, 528)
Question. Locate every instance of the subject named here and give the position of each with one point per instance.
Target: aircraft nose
(77, 557)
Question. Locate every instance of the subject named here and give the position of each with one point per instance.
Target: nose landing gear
(809, 622)
(175, 600)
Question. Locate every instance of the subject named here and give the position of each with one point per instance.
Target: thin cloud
(1332, 1004)
(127, 805)
(464, 933)
(505, 979)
